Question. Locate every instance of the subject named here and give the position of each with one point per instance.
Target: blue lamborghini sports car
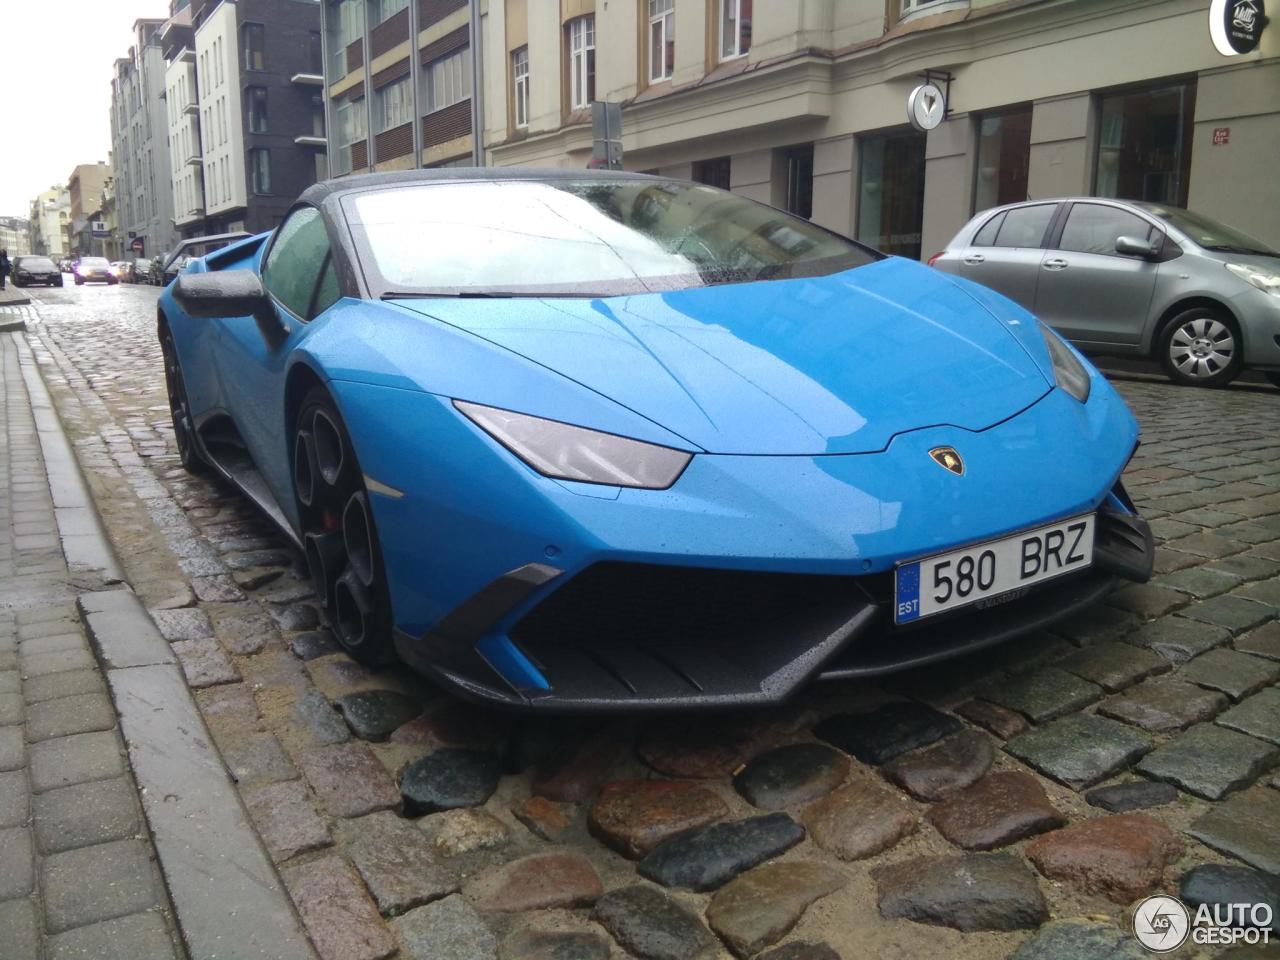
(586, 441)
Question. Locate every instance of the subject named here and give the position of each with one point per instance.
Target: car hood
(823, 365)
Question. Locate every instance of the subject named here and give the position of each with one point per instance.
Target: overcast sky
(56, 60)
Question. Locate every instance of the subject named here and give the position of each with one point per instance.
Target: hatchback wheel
(1201, 348)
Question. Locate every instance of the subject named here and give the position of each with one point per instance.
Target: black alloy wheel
(338, 533)
(180, 408)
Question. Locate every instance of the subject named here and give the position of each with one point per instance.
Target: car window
(986, 237)
(297, 256)
(1024, 226)
(1094, 228)
(328, 291)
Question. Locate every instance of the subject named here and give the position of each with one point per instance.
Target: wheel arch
(1198, 301)
(298, 382)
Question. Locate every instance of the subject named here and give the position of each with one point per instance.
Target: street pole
(477, 91)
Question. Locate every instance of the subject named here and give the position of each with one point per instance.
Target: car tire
(1201, 347)
(343, 552)
(1273, 376)
(79, 282)
(180, 408)
(57, 283)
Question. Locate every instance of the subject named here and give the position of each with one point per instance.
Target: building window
(891, 193)
(735, 28)
(911, 6)
(315, 53)
(349, 118)
(799, 161)
(346, 24)
(260, 167)
(582, 61)
(253, 43)
(713, 172)
(257, 109)
(520, 82)
(1144, 144)
(447, 81)
(380, 10)
(317, 116)
(392, 105)
(1004, 157)
(662, 39)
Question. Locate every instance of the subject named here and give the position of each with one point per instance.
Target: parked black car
(29, 270)
(194, 247)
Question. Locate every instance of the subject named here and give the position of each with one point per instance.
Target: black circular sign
(1237, 25)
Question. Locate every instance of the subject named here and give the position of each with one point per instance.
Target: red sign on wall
(1221, 135)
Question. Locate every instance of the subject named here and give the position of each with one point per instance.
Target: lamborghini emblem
(949, 458)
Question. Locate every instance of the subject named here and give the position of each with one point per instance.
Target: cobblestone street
(1015, 803)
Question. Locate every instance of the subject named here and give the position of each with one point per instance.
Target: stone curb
(12, 326)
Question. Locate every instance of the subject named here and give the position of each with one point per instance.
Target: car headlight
(567, 452)
(1068, 371)
(1264, 280)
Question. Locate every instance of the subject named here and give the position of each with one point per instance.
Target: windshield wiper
(491, 295)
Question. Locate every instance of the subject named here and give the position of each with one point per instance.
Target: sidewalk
(14, 309)
(93, 704)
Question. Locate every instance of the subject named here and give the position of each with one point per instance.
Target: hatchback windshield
(582, 238)
(1208, 233)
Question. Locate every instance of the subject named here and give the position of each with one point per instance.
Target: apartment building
(140, 147)
(84, 189)
(399, 78)
(182, 116)
(51, 222)
(804, 105)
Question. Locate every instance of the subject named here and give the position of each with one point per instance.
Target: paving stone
(859, 820)
(341, 920)
(21, 930)
(348, 780)
(942, 768)
(374, 714)
(996, 811)
(1080, 750)
(793, 774)
(575, 775)
(635, 816)
(317, 643)
(1212, 884)
(17, 863)
(1096, 623)
(801, 950)
(887, 731)
(1264, 591)
(758, 908)
(1235, 674)
(976, 891)
(260, 759)
(15, 799)
(256, 558)
(83, 713)
(188, 624)
(458, 724)
(453, 833)
(53, 644)
(1200, 582)
(1115, 666)
(546, 945)
(255, 578)
(707, 857)
(297, 616)
(85, 814)
(1164, 705)
(653, 926)
(1134, 795)
(449, 778)
(1178, 639)
(242, 628)
(1233, 613)
(1004, 723)
(448, 929)
(1244, 826)
(545, 818)
(98, 883)
(75, 759)
(1258, 716)
(705, 751)
(395, 860)
(1207, 545)
(1043, 694)
(1168, 561)
(67, 684)
(539, 882)
(41, 664)
(1263, 642)
(286, 820)
(13, 753)
(216, 589)
(205, 663)
(138, 936)
(11, 682)
(1147, 600)
(232, 705)
(1121, 857)
(321, 723)
(1246, 566)
(1210, 761)
(1080, 939)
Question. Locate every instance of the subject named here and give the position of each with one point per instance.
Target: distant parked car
(122, 270)
(1133, 278)
(141, 270)
(29, 270)
(65, 265)
(192, 248)
(94, 270)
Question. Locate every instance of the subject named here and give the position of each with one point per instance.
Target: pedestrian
(4, 267)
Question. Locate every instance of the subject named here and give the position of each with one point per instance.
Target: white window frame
(393, 105)
(582, 67)
(915, 6)
(446, 80)
(662, 23)
(520, 86)
(734, 6)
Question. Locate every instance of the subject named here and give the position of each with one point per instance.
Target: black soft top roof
(322, 191)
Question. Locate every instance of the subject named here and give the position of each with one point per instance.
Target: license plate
(985, 571)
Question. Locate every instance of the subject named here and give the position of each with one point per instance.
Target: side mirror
(222, 293)
(1131, 247)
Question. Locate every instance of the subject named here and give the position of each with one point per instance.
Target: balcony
(195, 160)
(310, 140)
(308, 79)
(192, 109)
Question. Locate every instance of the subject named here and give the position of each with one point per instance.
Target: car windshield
(589, 237)
(93, 262)
(37, 263)
(1209, 233)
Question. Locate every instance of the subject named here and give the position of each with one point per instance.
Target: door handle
(1057, 263)
(975, 258)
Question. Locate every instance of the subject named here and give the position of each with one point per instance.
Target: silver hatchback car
(1133, 278)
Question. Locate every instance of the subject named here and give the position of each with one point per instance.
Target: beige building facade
(803, 104)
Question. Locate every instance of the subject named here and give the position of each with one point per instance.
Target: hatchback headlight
(1265, 280)
(566, 452)
(1068, 371)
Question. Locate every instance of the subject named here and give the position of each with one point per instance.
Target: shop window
(713, 172)
(735, 28)
(662, 39)
(799, 173)
(1004, 155)
(891, 193)
(1144, 144)
(582, 61)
